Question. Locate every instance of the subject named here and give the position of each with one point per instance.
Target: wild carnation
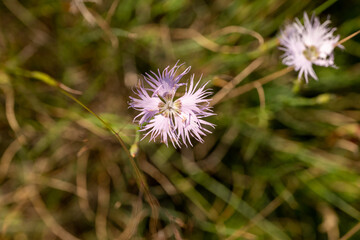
(166, 116)
(307, 44)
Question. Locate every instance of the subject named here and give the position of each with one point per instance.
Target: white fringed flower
(163, 115)
(308, 44)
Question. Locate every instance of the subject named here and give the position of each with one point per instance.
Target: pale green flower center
(169, 108)
(311, 53)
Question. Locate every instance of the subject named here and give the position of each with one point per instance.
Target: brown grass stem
(352, 231)
(252, 85)
(347, 38)
(236, 80)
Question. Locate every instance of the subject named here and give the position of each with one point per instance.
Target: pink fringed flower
(166, 116)
(308, 44)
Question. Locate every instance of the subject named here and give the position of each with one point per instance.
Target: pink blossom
(168, 117)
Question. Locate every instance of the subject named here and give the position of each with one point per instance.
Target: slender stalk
(236, 80)
(347, 38)
(67, 91)
(351, 232)
(249, 86)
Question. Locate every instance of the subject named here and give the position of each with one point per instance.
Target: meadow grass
(282, 162)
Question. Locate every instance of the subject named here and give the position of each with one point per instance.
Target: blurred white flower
(308, 44)
(164, 115)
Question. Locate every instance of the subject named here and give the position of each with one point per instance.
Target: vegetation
(281, 163)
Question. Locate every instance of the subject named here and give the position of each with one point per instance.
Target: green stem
(324, 6)
(67, 91)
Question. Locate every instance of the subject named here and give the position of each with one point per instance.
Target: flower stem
(68, 92)
(249, 86)
(347, 38)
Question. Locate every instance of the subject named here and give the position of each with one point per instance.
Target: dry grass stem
(158, 176)
(351, 232)
(80, 5)
(241, 30)
(81, 183)
(103, 206)
(235, 81)
(260, 216)
(7, 157)
(347, 38)
(10, 112)
(137, 215)
(111, 11)
(104, 25)
(213, 46)
(330, 222)
(48, 219)
(249, 86)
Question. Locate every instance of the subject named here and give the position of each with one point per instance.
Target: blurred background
(282, 162)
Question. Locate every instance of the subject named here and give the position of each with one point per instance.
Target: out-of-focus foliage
(282, 163)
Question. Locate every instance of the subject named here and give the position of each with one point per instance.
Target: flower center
(311, 53)
(170, 108)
